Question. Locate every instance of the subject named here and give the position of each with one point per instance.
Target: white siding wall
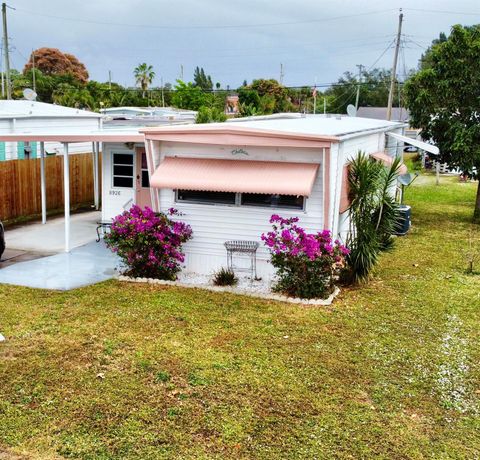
(214, 224)
(115, 199)
(54, 125)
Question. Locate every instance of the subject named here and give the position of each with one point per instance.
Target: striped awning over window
(240, 176)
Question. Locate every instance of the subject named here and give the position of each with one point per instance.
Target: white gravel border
(236, 290)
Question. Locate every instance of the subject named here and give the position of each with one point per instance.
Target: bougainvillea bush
(149, 243)
(306, 263)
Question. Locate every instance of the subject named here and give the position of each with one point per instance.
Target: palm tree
(144, 75)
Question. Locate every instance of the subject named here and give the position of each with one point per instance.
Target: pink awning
(387, 160)
(235, 176)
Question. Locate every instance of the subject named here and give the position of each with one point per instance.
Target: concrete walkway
(84, 265)
(50, 238)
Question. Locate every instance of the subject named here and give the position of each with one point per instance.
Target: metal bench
(248, 248)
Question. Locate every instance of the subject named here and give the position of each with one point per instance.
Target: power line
(409, 40)
(222, 26)
(422, 10)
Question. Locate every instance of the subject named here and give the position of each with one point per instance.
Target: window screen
(272, 201)
(206, 197)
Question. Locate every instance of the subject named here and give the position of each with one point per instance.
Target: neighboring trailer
(19, 116)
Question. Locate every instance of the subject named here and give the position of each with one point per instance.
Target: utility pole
(181, 72)
(360, 66)
(109, 79)
(281, 73)
(394, 67)
(2, 70)
(5, 50)
(324, 105)
(33, 72)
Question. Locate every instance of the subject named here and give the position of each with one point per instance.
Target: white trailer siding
(214, 224)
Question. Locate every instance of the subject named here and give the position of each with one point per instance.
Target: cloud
(313, 39)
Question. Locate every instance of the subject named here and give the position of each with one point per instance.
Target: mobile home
(227, 179)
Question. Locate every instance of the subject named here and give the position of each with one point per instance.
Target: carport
(67, 138)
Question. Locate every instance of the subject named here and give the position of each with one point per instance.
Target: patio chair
(103, 226)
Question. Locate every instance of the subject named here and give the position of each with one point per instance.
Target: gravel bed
(245, 286)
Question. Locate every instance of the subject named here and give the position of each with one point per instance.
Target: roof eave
(236, 135)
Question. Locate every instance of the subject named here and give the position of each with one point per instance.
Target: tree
(202, 80)
(144, 75)
(52, 61)
(264, 96)
(443, 99)
(210, 115)
(269, 87)
(191, 97)
(426, 59)
(373, 90)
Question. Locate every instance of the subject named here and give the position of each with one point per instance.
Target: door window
(145, 177)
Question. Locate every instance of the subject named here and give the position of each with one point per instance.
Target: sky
(234, 40)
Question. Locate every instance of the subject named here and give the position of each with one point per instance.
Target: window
(242, 199)
(27, 150)
(193, 196)
(272, 201)
(122, 170)
(145, 178)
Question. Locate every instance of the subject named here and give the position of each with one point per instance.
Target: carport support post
(96, 194)
(66, 192)
(43, 188)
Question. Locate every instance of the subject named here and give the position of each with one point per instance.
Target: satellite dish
(29, 94)
(351, 110)
(405, 181)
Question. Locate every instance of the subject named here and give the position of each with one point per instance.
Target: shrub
(149, 243)
(225, 277)
(306, 263)
(373, 214)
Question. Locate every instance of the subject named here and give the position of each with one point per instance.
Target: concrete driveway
(50, 267)
(82, 266)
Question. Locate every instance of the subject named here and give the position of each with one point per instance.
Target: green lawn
(391, 370)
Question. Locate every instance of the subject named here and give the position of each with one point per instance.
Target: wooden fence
(20, 185)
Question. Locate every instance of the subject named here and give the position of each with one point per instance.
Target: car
(2, 239)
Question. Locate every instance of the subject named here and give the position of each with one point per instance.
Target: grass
(412, 161)
(391, 370)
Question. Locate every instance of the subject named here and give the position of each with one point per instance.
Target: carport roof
(75, 136)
